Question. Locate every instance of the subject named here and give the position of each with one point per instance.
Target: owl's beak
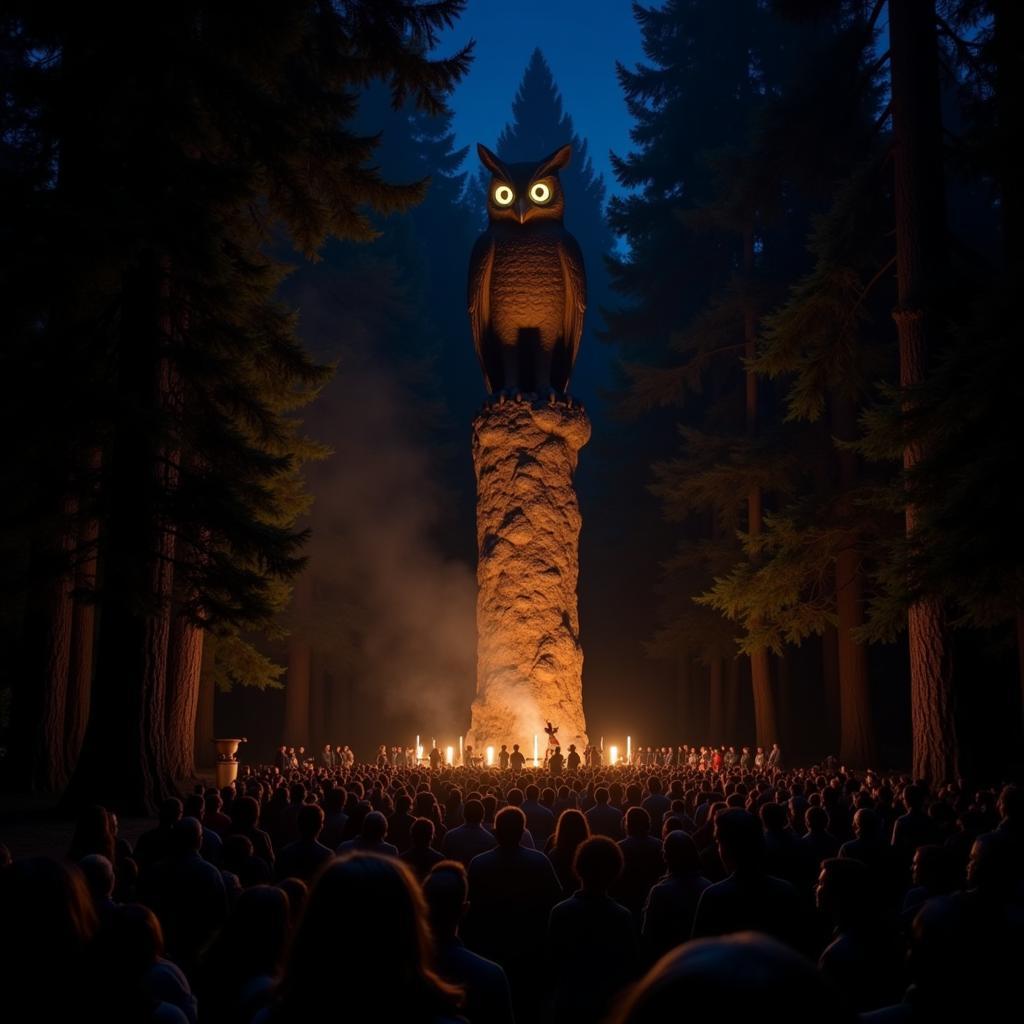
(521, 209)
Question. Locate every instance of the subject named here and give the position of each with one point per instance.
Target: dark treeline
(238, 381)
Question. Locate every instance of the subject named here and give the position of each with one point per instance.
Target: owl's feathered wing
(575, 279)
(478, 296)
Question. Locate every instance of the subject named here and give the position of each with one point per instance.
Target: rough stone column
(529, 659)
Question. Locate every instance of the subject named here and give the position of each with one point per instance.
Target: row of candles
(613, 752)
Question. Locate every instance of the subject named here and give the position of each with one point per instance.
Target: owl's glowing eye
(539, 192)
(503, 195)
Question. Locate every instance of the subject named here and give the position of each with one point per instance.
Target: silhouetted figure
(239, 969)
(503, 757)
(672, 903)
(303, 858)
(245, 821)
(187, 894)
(155, 844)
(572, 829)
(371, 839)
(511, 892)
(864, 961)
(883, 862)
(572, 762)
(642, 860)
(94, 834)
(818, 842)
(98, 873)
(488, 998)
(470, 838)
(365, 932)
(420, 857)
(591, 944)
(516, 759)
(48, 926)
(603, 819)
(746, 977)
(539, 819)
(749, 899)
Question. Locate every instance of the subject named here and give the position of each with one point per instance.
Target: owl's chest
(527, 270)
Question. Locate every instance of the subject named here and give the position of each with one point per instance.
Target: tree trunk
(123, 764)
(760, 666)
(205, 755)
(830, 682)
(682, 702)
(297, 681)
(716, 700)
(318, 734)
(184, 668)
(732, 700)
(784, 676)
(920, 230)
(857, 741)
(83, 627)
(51, 654)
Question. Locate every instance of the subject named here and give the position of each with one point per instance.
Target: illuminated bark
(529, 658)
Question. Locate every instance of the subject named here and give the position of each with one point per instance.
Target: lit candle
(629, 750)
(419, 752)
(602, 744)
(462, 760)
(614, 755)
(451, 754)
(490, 756)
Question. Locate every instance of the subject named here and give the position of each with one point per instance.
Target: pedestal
(529, 659)
(227, 761)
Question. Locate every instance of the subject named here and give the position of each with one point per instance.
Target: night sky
(581, 41)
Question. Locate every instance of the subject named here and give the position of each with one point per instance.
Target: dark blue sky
(581, 40)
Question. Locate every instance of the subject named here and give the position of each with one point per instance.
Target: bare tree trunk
(760, 666)
(784, 677)
(920, 230)
(830, 681)
(205, 722)
(83, 627)
(185, 660)
(123, 763)
(732, 700)
(300, 656)
(716, 700)
(53, 655)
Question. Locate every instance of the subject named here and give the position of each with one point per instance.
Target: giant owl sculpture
(527, 284)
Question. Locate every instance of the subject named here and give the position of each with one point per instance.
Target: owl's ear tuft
(556, 161)
(492, 163)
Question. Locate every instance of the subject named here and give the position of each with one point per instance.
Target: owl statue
(527, 285)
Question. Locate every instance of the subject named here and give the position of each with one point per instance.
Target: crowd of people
(632, 893)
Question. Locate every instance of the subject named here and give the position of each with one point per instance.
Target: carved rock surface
(529, 659)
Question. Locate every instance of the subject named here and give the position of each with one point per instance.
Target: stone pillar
(529, 659)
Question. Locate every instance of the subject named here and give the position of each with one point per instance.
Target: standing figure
(527, 289)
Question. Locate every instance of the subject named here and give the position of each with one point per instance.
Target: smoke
(394, 616)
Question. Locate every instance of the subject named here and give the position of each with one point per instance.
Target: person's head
(297, 892)
(914, 796)
(638, 822)
(597, 864)
(532, 792)
(816, 819)
(843, 890)
(473, 812)
(515, 747)
(514, 797)
(194, 806)
(732, 979)
(252, 939)
(421, 833)
(375, 827)
(990, 868)
(773, 817)
(98, 873)
(929, 867)
(245, 812)
(309, 822)
(1011, 803)
(680, 853)
(170, 811)
(509, 825)
(571, 830)
(132, 941)
(740, 840)
(866, 824)
(390, 950)
(446, 890)
(601, 795)
(187, 836)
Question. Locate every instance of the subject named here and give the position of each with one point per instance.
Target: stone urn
(227, 761)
